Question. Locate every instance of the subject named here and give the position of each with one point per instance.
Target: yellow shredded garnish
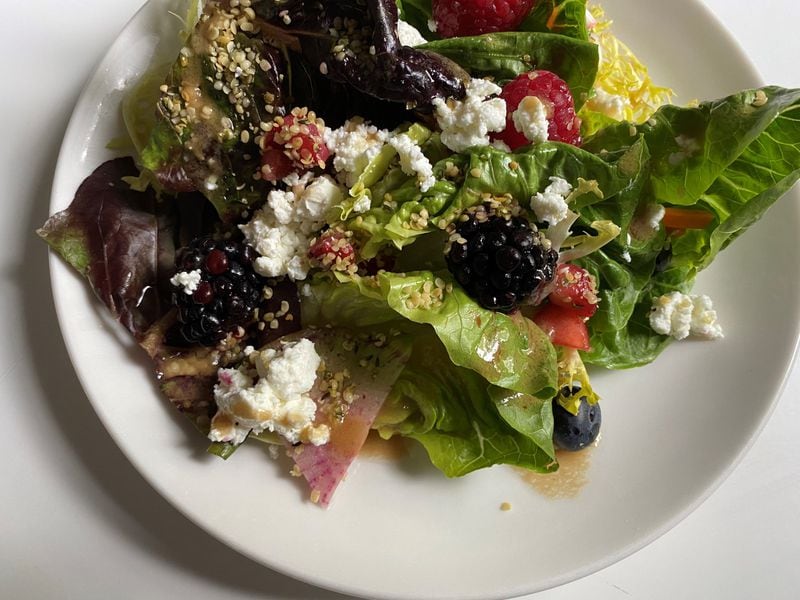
(623, 88)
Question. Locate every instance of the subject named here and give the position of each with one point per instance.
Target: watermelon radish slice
(359, 372)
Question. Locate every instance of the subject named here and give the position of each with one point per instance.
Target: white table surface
(79, 522)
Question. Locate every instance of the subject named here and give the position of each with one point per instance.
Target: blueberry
(574, 432)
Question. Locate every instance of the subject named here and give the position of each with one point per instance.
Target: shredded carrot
(686, 218)
(551, 20)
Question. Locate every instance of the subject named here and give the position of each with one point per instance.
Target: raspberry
(576, 289)
(473, 17)
(563, 124)
(333, 250)
(293, 143)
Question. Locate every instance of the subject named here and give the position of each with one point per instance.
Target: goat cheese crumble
(408, 34)
(468, 122)
(680, 315)
(354, 145)
(689, 147)
(188, 280)
(647, 221)
(611, 105)
(551, 205)
(413, 161)
(530, 119)
(270, 394)
(280, 231)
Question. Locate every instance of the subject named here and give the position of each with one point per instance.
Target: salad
(424, 219)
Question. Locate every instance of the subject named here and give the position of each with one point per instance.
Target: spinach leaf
(505, 55)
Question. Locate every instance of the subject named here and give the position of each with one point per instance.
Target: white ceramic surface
(671, 431)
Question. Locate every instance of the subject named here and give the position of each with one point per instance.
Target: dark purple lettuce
(114, 236)
(379, 65)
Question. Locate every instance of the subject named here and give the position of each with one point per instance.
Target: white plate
(672, 431)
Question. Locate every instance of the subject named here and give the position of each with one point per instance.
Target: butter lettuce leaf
(509, 351)
(464, 180)
(463, 423)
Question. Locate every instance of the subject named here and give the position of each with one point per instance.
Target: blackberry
(499, 261)
(225, 296)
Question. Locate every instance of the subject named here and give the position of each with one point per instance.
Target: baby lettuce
(447, 402)
(565, 17)
(504, 55)
(733, 158)
(463, 423)
(486, 171)
(114, 236)
(507, 351)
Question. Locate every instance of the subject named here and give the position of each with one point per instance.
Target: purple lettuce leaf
(114, 236)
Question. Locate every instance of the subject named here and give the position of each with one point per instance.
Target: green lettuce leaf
(521, 174)
(565, 17)
(692, 147)
(376, 170)
(508, 351)
(463, 423)
(734, 158)
(504, 55)
(138, 105)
